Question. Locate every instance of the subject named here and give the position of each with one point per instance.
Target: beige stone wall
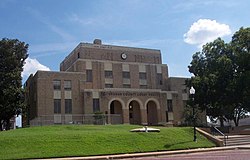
(45, 94)
(98, 58)
(110, 53)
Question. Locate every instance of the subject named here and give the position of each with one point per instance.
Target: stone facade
(129, 83)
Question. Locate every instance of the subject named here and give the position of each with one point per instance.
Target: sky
(179, 28)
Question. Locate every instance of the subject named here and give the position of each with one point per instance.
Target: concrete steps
(235, 140)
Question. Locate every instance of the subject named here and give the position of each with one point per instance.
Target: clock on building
(124, 56)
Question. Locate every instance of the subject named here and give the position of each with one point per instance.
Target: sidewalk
(152, 154)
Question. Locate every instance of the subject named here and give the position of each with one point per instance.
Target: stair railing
(225, 137)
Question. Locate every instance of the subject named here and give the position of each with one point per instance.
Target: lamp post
(192, 92)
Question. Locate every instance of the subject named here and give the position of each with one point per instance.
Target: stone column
(125, 116)
(144, 117)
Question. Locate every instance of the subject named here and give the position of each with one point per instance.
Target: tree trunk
(1, 125)
(7, 124)
(221, 121)
(236, 121)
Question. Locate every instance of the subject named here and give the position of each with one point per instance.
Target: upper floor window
(108, 74)
(89, 75)
(159, 78)
(126, 74)
(67, 85)
(142, 75)
(108, 85)
(126, 86)
(57, 84)
(170, 105)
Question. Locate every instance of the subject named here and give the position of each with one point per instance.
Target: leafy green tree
(241, 50)
(12, 56)
(222, 77)
(212, 69)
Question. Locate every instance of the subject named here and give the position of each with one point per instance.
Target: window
(57, 84)
(126, 86)
(108, 74)
(166, 116)
(143, 86)
(68, 106)
(142, 75)
(89, 75)
(108, 85)
(159, 78)
(96, 105)
(67, 85)
(57, 105)
(126, 75)
(170, 105)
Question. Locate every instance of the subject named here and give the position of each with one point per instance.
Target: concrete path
(217, 153)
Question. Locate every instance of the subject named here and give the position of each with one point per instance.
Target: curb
(152, 154)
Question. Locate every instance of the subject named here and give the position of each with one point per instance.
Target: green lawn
(85, 140)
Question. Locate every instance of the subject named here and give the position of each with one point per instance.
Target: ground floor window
(68, 106)
(96, 105)
(57, 105)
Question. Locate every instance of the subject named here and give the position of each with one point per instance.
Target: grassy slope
(63, 141)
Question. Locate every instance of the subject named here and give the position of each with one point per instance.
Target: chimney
(97, 41)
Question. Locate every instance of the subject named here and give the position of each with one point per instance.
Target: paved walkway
(237, 154)
(218, 153)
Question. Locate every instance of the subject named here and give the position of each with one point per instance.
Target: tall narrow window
(89, 75)
(126, 86)
(96, 105)
(68, 106)
(108, 85)
(159, 78)
(67, 85)
(126, 74)
(170, 105)
(57, 84)
(108, 74)
(166, 116)
(142, 75)
(57, 106)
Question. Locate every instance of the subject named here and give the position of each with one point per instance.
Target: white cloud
(31, 66)
(206, 30)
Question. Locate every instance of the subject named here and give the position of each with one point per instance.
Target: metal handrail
(221, 133)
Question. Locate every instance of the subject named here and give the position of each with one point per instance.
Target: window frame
(57, 106)
(96, 105)
(68, 106)
(57, 86)
(67, 86)
(89, 75)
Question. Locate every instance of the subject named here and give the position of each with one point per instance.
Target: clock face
(124, 56)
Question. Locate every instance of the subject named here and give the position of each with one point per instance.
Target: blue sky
(53, 28)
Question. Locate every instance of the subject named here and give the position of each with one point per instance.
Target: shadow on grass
(173, 144)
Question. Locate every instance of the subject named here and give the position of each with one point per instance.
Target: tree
(222, 77)
(12, 56)
(241, 50)
(210, 79)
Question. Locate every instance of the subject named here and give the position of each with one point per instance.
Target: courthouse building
(125, 85)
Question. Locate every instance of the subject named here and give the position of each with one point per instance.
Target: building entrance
(116, 112)
(134, 112)
(152, 113)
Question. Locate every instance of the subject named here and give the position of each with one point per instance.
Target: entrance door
(152, 113)
(134, 112)
(116, 112)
